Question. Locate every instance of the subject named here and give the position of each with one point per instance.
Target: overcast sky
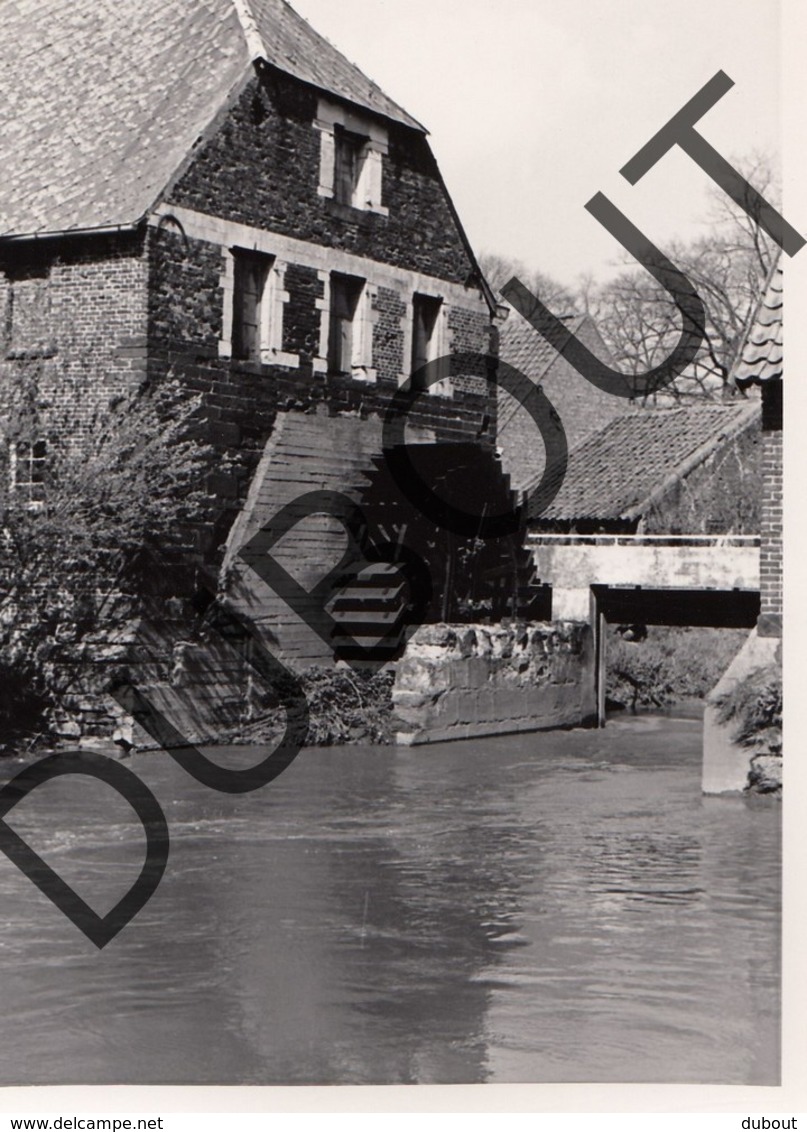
(533, 106)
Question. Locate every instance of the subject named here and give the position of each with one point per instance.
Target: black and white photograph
(391, 514)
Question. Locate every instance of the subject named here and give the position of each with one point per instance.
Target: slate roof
(615, 473)
(102, 100)
(761, 355)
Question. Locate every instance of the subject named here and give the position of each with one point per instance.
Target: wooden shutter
(345, 295)
(425, 312)
(349, 148)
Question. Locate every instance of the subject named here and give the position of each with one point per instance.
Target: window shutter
(345, 294)
(251, 272)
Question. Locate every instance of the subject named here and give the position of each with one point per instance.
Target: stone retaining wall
(460, 681)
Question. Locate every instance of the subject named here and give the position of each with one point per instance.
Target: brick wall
(388, 339)
(770, 618)
(185, 323)
(73, 324)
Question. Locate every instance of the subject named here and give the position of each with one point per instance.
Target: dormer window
(352, 149)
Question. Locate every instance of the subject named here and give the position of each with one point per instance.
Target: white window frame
(24, 486)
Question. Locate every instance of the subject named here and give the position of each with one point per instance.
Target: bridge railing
(540, 538)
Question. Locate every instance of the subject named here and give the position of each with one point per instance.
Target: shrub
(671, 664)
(344, 707)
(124, 482)
(754, 704)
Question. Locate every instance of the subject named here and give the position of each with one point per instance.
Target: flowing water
(538, 908)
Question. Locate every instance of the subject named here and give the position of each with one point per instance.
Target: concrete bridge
(648, 579)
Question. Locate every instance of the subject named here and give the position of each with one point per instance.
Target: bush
(126, 481)
(667, 666)
(344, 707)
(754, 704)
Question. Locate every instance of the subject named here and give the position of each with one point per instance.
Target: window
(426, 340)
(28, 330)
(253, 283)
(350, 154)
(252, 305)
(345, 346)
(27, 467)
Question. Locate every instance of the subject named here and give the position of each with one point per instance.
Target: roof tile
(761, 356)
(292, 45)
(527, 350)
(613, 473)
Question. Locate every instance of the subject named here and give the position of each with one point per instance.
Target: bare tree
(727, 267)
(499, 269)
(639, 319)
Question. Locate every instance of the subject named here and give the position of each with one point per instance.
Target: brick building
(209, 189)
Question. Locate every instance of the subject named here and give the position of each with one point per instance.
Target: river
(550, 907)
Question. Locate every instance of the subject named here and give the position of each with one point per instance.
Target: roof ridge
(138, 111)
(249, 26)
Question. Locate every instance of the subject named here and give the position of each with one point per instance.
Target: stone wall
(458, 682)
(187, 306)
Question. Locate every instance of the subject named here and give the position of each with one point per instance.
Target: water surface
(540, 908)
